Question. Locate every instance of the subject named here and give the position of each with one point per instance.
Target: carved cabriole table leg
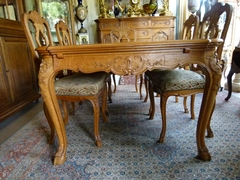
(204, 115)
(46, 83)
(208, 105)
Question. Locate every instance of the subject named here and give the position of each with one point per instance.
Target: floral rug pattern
(130, 148)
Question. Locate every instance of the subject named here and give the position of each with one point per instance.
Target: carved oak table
(126, 59)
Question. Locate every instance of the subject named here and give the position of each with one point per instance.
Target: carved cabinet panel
(155, 28)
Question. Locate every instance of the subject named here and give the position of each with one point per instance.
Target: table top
(131, 57)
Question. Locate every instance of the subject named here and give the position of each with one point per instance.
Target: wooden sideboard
(150, 28)
(17, 70)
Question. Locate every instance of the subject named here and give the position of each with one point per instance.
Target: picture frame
(83, 38)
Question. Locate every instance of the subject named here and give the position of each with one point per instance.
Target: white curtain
(183, 14)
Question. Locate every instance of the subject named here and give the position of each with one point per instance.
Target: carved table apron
(126, 59)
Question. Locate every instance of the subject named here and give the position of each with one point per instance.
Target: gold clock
(135, 1)
(134, 9)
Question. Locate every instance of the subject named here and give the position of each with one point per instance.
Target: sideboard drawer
(149, 28)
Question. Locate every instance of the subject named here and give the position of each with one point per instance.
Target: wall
(89, 23)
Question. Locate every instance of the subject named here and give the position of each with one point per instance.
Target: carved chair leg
(136, 82)
(185, 105)
(163, 103)
(71, 111)
(140, 86)
(152, 101)
(114, 82)
(192, 106)
(146, 88)
(109, 82)
(65, 112)
(176, 99)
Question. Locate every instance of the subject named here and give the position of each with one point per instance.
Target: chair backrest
(191, 27)
(123, 34)
(190, 30)
(63, 33)
(219, 14)
(38, 33)
(64, 38)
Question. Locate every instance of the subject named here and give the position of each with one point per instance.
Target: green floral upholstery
(175, 80)
(81, 84)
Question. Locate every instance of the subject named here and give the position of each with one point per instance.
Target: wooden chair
(64, 38)
(185, 82)
(73, 88)
(124, 34)
(63, 33)
(190, 31)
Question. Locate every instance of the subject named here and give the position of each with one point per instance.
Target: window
(55, 10)
(8, 9)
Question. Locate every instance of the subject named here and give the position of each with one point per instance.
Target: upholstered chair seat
(175, 80)
(81, 84)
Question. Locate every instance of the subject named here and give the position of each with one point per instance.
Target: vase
(193, 5)
(81, 14)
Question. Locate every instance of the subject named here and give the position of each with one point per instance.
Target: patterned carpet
(130, 149)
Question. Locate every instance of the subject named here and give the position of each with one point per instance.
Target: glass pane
(29, 5)
(8, 9)
(55, 10)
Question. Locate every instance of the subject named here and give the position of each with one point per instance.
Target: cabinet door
(18, 71)
(5, 95)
